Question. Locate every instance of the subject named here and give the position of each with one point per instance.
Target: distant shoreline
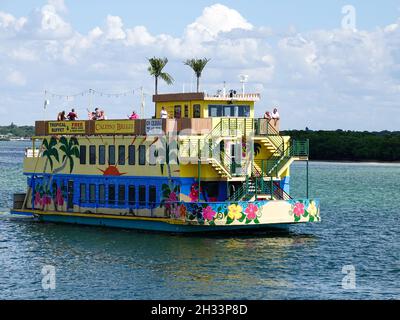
(357, 161)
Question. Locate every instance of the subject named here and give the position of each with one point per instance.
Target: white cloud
(215, 19)
(46, 23)
(114, 30)
(58, 5)
(139, 36)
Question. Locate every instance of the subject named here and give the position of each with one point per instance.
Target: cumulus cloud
(320, 79)
(215, 19)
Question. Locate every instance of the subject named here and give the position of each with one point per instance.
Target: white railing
(238, 96)
(30, 153)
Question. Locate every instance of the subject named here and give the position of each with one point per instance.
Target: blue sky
(298, 56)
(173, 15)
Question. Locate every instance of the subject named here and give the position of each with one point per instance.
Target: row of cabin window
(117, 194)
(101, 156)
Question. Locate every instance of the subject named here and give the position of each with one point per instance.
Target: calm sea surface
(360, 211)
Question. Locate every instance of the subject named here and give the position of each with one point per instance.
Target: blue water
(360, 227)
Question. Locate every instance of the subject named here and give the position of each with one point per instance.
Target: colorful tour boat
(210, 166)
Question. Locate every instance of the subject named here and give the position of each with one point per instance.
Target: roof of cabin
(190, 96)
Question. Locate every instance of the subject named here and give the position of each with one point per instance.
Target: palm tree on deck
(197, 65)
(155, 69)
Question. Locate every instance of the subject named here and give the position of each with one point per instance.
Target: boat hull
(146, 224)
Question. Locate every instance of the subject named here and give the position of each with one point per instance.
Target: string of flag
(90, 92)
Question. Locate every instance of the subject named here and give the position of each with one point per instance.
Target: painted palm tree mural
(48, 191)
(50, 152)
(68, 148)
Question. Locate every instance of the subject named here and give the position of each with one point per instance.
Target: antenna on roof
(243, 79)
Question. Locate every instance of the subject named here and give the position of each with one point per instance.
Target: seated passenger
(72, 116)
(102, 115)
(61, 116)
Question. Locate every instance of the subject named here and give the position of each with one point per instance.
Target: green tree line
(350, 145)
(18, 131)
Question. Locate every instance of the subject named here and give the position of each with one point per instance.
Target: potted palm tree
(155, 69)
(197, 65)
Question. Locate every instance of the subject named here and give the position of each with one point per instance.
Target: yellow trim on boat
(105, 216)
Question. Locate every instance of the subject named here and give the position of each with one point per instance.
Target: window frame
(142, 154)
(92, 154)
(111, 155)
(102, 154)
(82, 154)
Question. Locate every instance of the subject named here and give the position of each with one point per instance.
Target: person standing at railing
(275, 116)
(133, 116)
(164, 113)
(267, 115)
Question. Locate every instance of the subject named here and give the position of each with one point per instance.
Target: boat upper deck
(144, 127)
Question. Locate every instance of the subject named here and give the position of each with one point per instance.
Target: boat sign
(154, 127)
(115, 127)
(67, 127)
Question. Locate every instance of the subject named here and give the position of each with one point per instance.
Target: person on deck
(267, 115)
(275, 116)
(133, 116)
(72, 116)
(61, 116)
(164, 113)
(102, 115)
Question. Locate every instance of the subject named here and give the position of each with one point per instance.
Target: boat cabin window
(196, 111)
(121, 155)
(152, 155)
(82, 154)
(111, 155)
(131, 195)
(121, 194)
(142, 155)
(152, 195)
(92, 193)
(102, 155)
(92, 154)
(102, 194)
(177, 112)
(131, 155)
(142, 195)
(228, 111)
(111, 194)
(82, 190)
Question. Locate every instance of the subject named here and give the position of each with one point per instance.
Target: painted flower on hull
(208, 213)
(312, 209)
(38, 199)
(298, 209)
(59, 197)
(235, 211)
(182, 211)
(251, 211)
(172, 197)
